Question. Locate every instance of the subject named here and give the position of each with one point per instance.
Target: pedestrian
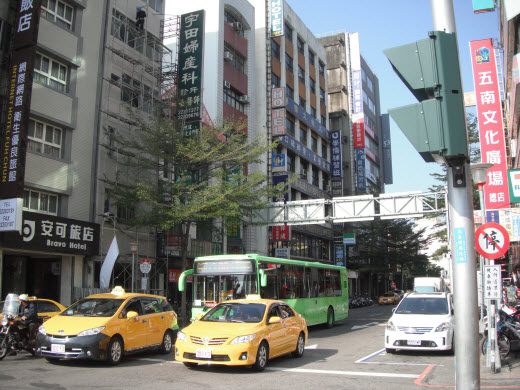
(139, 16)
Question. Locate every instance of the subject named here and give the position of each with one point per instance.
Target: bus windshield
(218, 288)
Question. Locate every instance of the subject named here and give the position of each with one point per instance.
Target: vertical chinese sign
(336, 161)
(14, 134)
(191, 66)
(491, 127)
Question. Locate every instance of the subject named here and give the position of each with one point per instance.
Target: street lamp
(133, 248)
(479, 175)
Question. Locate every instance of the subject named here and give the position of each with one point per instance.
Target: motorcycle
(13, 334)
(508, 330)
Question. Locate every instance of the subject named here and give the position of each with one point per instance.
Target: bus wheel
(330, 318)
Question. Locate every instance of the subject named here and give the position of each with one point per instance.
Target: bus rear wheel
(330, 317)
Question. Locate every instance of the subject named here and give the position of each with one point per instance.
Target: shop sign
(48, 233)
(11, 214)
(276, 18)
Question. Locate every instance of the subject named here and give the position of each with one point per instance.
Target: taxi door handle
(162, 317)
(144, 321)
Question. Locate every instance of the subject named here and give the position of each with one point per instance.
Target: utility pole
(462, 241)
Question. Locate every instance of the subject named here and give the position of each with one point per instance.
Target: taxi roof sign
(118, 290)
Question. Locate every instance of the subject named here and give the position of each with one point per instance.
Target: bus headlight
(243, 339)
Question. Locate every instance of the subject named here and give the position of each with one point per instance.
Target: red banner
(491, 125)
(359, 133)
(281, 233)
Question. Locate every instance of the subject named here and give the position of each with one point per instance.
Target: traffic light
(430, 69)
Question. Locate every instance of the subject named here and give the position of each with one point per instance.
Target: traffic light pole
(462, 240)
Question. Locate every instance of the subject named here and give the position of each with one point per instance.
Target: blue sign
(277, 180)
(493, 216)
(461, 252)
(278, 161)
(305, 152)
(339, 254)
(307, 118)
(358, 94)
(360, 170)
(483, 6)
(335, 153)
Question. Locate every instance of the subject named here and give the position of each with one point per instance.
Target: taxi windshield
(94, 307)
(236, 312)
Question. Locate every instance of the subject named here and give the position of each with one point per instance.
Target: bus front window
(218, 288)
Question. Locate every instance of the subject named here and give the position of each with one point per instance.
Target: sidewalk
(509, 375)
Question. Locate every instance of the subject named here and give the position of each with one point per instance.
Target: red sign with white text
(281, 233)
(359, 133)
(491, 127)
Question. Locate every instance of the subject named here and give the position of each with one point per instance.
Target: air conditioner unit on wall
(227, 84)
(244, 99)
(228, 56)
(237, 26)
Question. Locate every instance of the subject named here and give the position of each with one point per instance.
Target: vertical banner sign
(361, 182)
(191, 66)
(281, 233)
(491, 125)
(336, 162)
(339, 255)
(14, 135)
(514, 185)
(359, 132)
(276, 18)
(278, 111)
(357, 99)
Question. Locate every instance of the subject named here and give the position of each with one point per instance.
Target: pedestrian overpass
(350, 209)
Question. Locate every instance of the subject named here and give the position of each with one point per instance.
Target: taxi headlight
(4, 321)
(443, 327)
(91, 332)
(42, 330)
(390, 326)
(181, 336)
(243, 339)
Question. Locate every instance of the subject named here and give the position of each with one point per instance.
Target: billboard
(490, 121)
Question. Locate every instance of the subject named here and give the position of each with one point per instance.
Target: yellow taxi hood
(221, 329)
(72, 325)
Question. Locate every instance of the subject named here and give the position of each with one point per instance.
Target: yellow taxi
(389, 297)
(108, 326)
(46, 308)
(242, 332)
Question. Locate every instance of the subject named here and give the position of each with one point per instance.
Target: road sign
(491, 240)
(492, 282)
(145, 266)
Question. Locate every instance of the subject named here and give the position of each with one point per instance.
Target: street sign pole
(462, 240)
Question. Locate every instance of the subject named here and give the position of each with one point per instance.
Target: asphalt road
(348, 356)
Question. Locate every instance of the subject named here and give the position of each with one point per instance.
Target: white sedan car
(422, 321)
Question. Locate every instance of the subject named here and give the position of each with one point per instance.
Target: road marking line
(347, 373)
(370, 356)
(314, 346)
(364, 326)
(365, 359)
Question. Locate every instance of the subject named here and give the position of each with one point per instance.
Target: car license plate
(203, 353)
(414, 342)
(58, 348)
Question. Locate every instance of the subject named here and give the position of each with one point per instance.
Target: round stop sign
(145, 266)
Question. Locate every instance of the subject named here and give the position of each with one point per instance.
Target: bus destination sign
(224, 267)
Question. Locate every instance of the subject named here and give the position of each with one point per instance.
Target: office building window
(44, 138)
(303, 102)
(321, 69)
(315, 177)
(370, 84)
(301, 45)
(303, 136)
(275, 80)
(323, 121)
(232, 98)
(230, 18)
(312, 85)
(275, 49)
(291, 159)
(238, 60)
(58, 12)
(288, 32)
(324, 150)
(289, 125)
(311, 57)
(304, 169)
(313, 112)
(289, 63)
(41, 202)
(301, 74)
(322, 95)
(50, 72)
(314, 144)
(289, 92)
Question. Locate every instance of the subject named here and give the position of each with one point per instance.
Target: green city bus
(317, 291)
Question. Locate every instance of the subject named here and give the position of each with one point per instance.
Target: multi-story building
(245, 68)
(88, 63)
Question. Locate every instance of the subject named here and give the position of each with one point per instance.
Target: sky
(384, 24)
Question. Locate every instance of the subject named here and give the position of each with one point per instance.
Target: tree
(171, 180)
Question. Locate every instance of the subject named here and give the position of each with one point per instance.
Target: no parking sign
(492, 240)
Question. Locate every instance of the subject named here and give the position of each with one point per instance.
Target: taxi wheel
(167, 342)
(300, 346)
(115, 351)
(261, 357)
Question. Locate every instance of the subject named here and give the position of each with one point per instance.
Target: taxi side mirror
(131, 314)
(274, 320)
